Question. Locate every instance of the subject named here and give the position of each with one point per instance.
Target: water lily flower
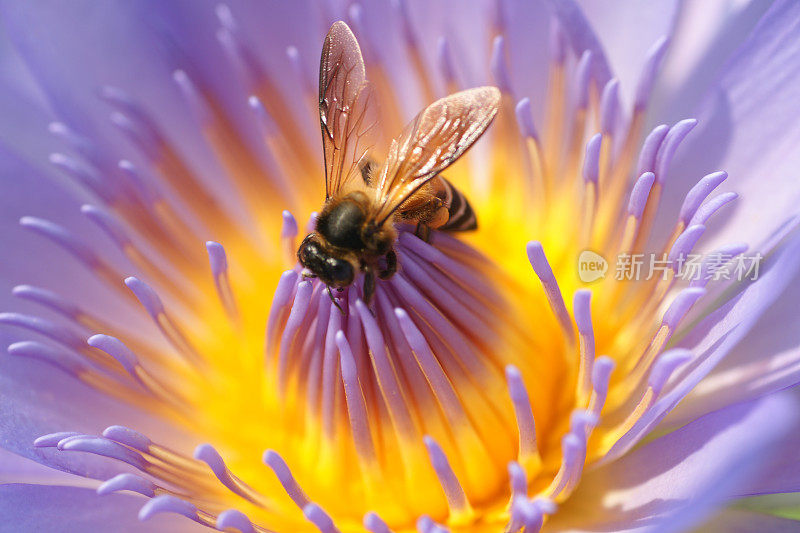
(169, 367)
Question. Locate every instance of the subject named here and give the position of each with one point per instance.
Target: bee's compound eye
(339, 271)
(308, 251)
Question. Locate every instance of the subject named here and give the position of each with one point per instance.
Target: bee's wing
(345, 100)
(438, 136)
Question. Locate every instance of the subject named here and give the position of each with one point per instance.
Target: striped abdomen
(461, 216)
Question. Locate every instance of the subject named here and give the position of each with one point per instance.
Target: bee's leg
(369, 285)
(334, 300)
(423, 231)
(391, 265)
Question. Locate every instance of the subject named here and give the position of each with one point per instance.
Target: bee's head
(333, 271)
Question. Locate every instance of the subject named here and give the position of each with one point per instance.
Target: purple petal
(50, 508)
(39, 193)
(702, 42)
(750, 127)
(765, 361)
(674, 482)
(714, 336)
(18, 469)
(32, 404)
(734, 520)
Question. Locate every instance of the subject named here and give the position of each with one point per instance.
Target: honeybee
(355, 230)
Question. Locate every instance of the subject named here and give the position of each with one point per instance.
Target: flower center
(423, 404)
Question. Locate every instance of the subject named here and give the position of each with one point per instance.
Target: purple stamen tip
(498, 64)
(53, 330)
(46, 353)
(681, 305)
(103, 447)
(225, 17)
(517, 479)
(514, 378)
(684, 244)
(264, 118)
(541, 267)
(668, 148)
(601, 372)
(293, 54)
(664, 367)
(133, 175)
(114, 95)
(375, 524)
(64, 441)
(233, 519)
(454, 493)
(649, 151)
(209, 455)
(609, 106)
(538, 260)
(425, 524)
(116, 349)
(284, 475)
(141, 133)
(525, 119)
(319, 518)
(289, 228)
(582, 79)
(167, 504)
(581, 305)
(129, 482)
(128, 437)
(529, 514)
(445, 59)
(558, 42)
(217, 258)
(192, 96)
(591, 161)
(698, 193)
(62, 237)
(649, 72)
(640, 193)
(107, 223)
(580, 420)
(51, 440)
(46, 298)
(707, 209)
(81, 172)
(146, 296)
(571, 446)
(311, 225)
(438, 458)
(58, 128)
